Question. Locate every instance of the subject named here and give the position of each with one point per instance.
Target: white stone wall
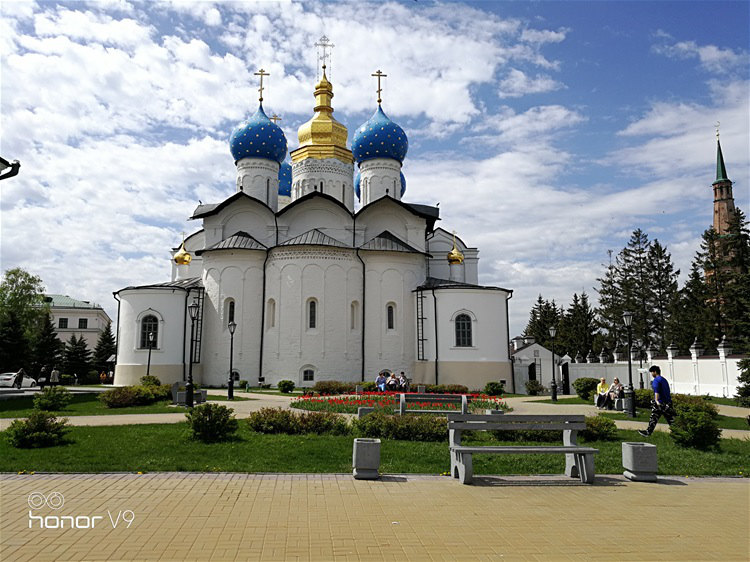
(96, 323)
(438, 246)
(379, 177)
(317, 213)
(232, 276)
(259, 178)
(194, 242)
(244, 215)
(174, 330)
(332, 277)
(330, 176)
(385, 214)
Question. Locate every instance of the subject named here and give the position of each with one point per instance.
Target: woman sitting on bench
(602, 394)
(615, 391)
(392, 383)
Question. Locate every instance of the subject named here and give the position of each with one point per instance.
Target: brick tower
(723, 198)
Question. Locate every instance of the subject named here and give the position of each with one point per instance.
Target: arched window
(268, 190)
(308, 375)
(149, 325)
(270, 314)
(229, 307)
(463, 330)
(391, 317)
(312, 314)
(354, 315)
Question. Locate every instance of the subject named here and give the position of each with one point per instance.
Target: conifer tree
(544, 314)
(47, 347)
(691, 315)
(661, 294)
(611, 305)
(578, 328)
(105, 348)
(14, 345)
(77, 359)
(634, 284)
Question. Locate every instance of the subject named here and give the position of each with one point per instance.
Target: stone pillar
(725, 350)
(590, 358)
(696, 350)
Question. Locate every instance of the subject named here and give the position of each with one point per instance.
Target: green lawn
(722, 401)
(572, 400)
(272, 391)
(167, 447)
(223, 398)
(83, 405)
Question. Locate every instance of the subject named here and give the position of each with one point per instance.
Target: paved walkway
(217, 517)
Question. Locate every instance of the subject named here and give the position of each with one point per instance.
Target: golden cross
(261, 73)
(717, 129)
(275, 118)
(379, 75)
(324, 43)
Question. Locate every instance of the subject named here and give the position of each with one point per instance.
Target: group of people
(54, 377)
(392, 383)
(607, 394)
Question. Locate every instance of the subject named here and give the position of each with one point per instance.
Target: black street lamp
(553, 385)
(193, 311)
(150, 345)
(629, 391)
(230, 384)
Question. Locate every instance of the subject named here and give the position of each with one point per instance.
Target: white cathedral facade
(316, 290)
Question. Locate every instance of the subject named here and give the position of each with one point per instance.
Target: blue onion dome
(258, 137)
(403, 184)
(356, 187)
(379, 137)
(285, 179)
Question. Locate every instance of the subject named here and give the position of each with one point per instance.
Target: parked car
(7, 379)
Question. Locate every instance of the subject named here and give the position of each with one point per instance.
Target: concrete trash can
(639, 461)
(366, 459)
(362, 411)
(494, 412)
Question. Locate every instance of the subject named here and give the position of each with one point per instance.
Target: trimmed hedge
(404, 428)
(212, 423)
(695, 428)
(126, 396)
(599, 428)
(286, 386)
(52, 399)
(585, 387)
(150, 380)
(534, 388)
(334, 387)
(276, 420)
(493, 388)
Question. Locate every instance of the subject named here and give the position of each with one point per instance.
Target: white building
(317, 290)
(82, 318)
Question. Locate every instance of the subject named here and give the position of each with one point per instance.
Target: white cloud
(711, 57)
(516, 84)
(539, 36)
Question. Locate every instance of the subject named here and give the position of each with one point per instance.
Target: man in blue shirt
(661, 405)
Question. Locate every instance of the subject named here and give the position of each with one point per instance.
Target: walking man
(661, 405)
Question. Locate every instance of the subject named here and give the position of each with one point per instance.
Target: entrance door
(532, 372)
(565, 379)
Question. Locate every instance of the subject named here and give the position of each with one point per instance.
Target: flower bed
(348, 404)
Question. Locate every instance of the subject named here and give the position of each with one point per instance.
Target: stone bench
(579, 461)
(439, 399)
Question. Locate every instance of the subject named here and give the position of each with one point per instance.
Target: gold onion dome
(322, 136)
(455, 257)
(183, 257)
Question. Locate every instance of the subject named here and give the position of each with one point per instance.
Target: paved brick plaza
(180, 516)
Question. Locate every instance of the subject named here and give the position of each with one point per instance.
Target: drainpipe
(507, 331)
(434, 298)
(263, 314)
(184, 331)
(117, 341)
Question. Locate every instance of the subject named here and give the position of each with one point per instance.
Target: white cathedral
(314, 290)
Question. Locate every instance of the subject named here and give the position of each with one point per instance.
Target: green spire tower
(723, 198)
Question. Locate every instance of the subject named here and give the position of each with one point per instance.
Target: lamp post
(230, 383)
(553, 384)
(629, 391)
(150, 345)
(193, 311)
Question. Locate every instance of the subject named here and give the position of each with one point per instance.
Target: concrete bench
(579, 461)
(439, 399)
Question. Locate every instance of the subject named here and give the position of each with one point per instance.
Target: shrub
(161, 392)
(369, 386)
(211, 423)
(696, 403)
(126, 396)
(404, 428)
(529, 436)
(68, 380)
(533, 388)
(599, 428)
(276, 420)
(493, 388)
(643, 397)
(446, 389)
(585, 387)
(334, 387)
(52, 399)
(695, 428)
(92, 377)
(41, 429)
(286, 386)
(150, 380)
(242, 384)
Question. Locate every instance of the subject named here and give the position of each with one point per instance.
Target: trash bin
(639, 461)
(366, 459)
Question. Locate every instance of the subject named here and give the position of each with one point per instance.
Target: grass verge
(83, 405)
(168, 447)
(724, 422)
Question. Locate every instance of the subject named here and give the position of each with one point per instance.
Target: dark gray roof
(428, 210)
(314, 237)
(435, 283)
(388, 242)
(237, 241)
(186, 284)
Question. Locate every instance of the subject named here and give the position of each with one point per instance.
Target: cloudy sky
(547, 131)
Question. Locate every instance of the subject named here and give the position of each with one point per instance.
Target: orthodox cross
(717, 129)
(275, 118)
(261, 73)
(379, 75)
(323, 44)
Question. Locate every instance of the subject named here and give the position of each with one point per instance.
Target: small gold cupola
(455, 257)
(322, 136)
(183, 257)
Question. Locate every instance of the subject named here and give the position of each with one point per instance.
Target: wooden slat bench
(412, 398)
(579, 461)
